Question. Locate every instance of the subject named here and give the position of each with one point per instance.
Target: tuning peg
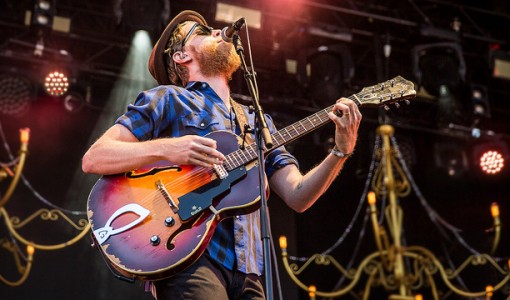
(397, 105)
(407, 102)
(386, 107)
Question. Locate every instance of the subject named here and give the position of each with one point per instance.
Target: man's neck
(219, 85)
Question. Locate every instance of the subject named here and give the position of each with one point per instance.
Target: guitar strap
(251, 218)
(242, 120)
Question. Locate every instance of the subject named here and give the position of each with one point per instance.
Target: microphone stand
(263, 139)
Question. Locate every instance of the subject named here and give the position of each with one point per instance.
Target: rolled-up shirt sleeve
(146, 116)
(279, 157)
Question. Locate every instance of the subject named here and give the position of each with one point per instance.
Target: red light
(492, 162)
(56, 83)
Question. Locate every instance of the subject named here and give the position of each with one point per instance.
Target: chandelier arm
(21, 280)
(13, 231)
(24, 270)
(497, 234)
(15, 179)
(402, 187)
(366, 293)
(51, 215)
(433, 286)
(354, 278)
(447, 275)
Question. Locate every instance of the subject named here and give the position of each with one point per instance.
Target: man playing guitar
(171, 122)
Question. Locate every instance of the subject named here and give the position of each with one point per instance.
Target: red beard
(217, 59)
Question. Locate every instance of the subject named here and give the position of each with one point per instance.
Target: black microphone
(228, 32)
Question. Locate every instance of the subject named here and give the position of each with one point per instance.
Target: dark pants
(206, 280)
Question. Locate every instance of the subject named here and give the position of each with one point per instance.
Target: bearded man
(193, 66)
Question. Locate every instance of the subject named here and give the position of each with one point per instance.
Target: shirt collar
(196, 85)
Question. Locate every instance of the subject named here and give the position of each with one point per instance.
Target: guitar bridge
(162, 189)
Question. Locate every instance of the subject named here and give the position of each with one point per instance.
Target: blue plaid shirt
(171, 111)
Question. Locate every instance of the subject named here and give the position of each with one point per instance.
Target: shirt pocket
(199, 123)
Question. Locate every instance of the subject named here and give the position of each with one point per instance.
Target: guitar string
(195, 173)
(280, 135)
(240, 157)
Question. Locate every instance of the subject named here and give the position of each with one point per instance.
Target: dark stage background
(99, 44)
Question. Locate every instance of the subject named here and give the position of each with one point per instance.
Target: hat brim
(157, 66)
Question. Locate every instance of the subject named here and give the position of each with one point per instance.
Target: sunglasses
(200, 29)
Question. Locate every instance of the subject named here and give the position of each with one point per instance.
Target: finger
(355, 114)
(208, 146)
(199, 162)
(213, 154)
(206, 159)
(340, 109)
(206, 141)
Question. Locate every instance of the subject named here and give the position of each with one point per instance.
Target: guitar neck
(390, 91)
(282, 137)
(300, 128)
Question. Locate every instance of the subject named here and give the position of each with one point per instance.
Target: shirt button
(202, 124)
(204, 85)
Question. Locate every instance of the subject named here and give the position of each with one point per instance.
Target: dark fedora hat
(157, 66)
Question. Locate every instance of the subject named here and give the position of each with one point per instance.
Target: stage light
(43, 13)
(492, 162)
(440, 68)
(500, 63)
(451, 158)
(480, 101)
(327, 70)
(228, 13)
(56, 83)
(133, 15)
(73, 102)
(16, 92)
(490, 156)
(438, 65)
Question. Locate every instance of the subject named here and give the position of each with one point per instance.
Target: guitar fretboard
(390, 91)
(286, 135)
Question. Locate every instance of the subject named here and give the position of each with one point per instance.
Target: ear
(181, 57)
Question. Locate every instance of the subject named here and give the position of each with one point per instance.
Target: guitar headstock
(390, 91)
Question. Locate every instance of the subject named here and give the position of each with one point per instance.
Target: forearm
(302, 191)
(118, 150)
(109, 156)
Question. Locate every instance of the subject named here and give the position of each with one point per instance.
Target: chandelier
(402, 271)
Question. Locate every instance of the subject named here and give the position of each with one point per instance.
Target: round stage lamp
(56, 83)
(492, 162)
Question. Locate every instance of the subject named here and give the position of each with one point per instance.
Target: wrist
(339, 153)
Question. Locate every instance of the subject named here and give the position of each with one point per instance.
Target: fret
(238, 159)
(251, 151)
(310, 121)
(278, 138)
(244, 154)
(315, 115)
(302, 125)
(293, 128)
(374, 95)
(229, 165)
(287, 132)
